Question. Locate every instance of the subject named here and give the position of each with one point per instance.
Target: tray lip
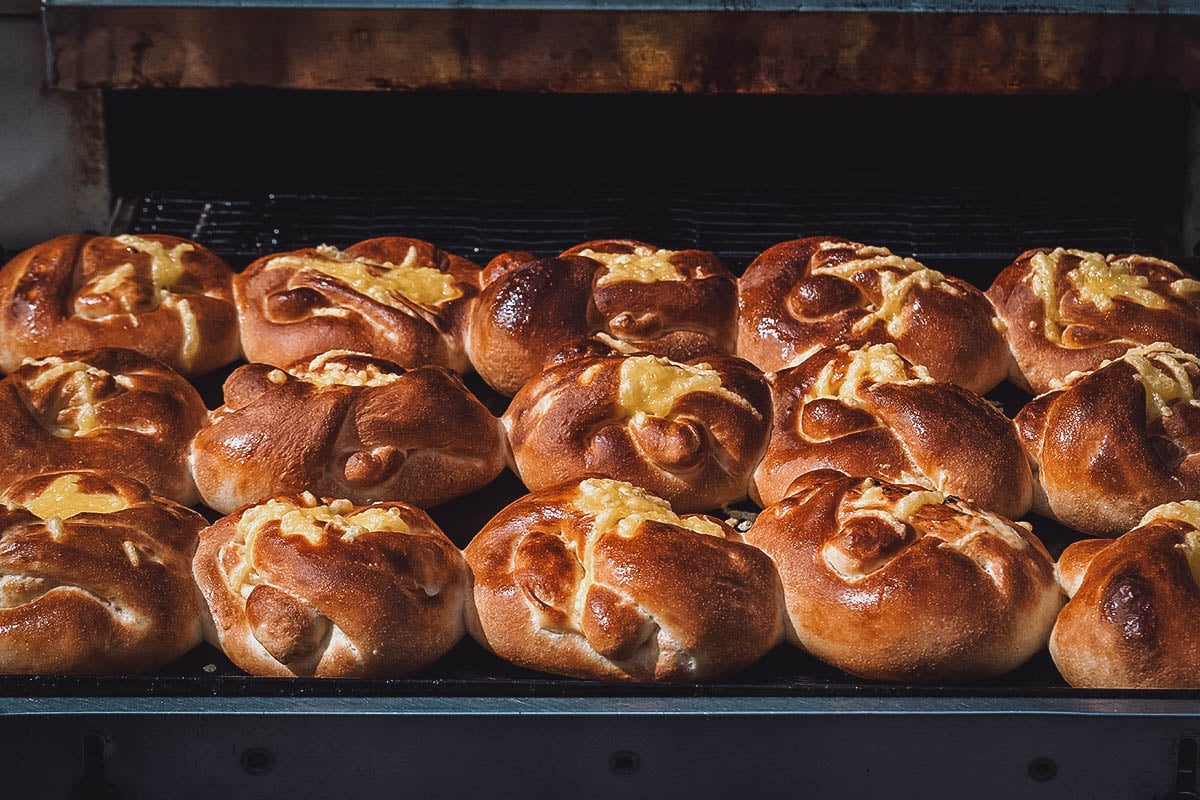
(1147, 706)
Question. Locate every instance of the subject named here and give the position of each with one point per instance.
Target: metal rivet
(1042, 769)
(257, 760)
(624, 762)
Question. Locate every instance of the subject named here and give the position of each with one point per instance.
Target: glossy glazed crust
(938, 434)
(1130, 623)
(1088, 335)
(107, 593)
(289, 313)
(1100, 462)
(790, 302)
(423, 439)
(379, 604)
(145, 416)
(531, 308)
(76, 293)
(948, 595)
(666, 604)
(699, 456)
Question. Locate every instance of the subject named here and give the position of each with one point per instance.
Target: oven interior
(962, 183)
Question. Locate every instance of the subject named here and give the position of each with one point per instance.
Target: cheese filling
(1162, 370)
(1187, 512)
(166, 266)
(620, 507)
(643, 265)
(383, 282)
(956, 532)
(313, 523)
(64, 499)
(321, 372)
(897, 277)
(873, 364)
(79, 418)
(650, 385)
(1098, 281)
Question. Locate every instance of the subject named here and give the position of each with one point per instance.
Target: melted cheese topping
(322, 373)
(111, 281)
(63, 499)
(621, 506)
(1162, 371)
(1099, 282)
(82, 380)
(893, 287)
(1187, 512)
(384, 281)
(1191, 551)
(166, 266)
(190, 346)
(643, 265)
(1185, 286)
(650, 385)
(956, 532)
(873, 364)
(875, 499)
(313, 523)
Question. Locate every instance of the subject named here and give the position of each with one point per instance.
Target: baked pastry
(95, 576)
(599, 579)
(346, 425)
(1068, 310)
(897, 583)
(865, 410)
(160, 295)
(397, 298)
(1111, 444)
(1131, 621)
(636, 297)
(821, 291)
(298, 587)
(108, 409)
(690, 433)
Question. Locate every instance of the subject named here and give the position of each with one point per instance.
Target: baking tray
(474, 725)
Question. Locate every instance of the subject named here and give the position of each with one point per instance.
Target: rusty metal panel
(802, 53)
(933, 6)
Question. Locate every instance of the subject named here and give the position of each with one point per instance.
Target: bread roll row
(1097, 453)
(591, 578)
(1047, 315)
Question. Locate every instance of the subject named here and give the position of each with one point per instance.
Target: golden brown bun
(678, 304)
(694, 442)
(291, 306)
(894, 583)
(1131, 621)
(599, 579)
(102, 587)
(107, 409)
(346, 425)
(1104, 453)
(866, 411)
(1068, 310)
(331, 590)
(160, 295)
(822, 291)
